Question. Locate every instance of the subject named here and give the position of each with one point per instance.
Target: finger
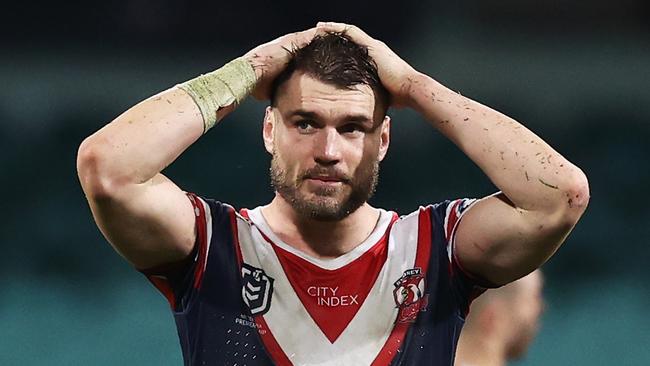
(351, 30)
(332, 26)
(301, 39)
(320, 31)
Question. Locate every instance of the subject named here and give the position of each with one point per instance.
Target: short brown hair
(335, 59)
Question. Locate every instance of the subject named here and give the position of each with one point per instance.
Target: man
(502, 323)
(318, 276)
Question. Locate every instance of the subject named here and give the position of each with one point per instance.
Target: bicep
(149, 224)
(499, 242)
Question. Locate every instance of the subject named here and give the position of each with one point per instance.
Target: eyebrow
(361, 118)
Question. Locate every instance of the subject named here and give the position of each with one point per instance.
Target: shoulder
(210, 209)
(445, 213)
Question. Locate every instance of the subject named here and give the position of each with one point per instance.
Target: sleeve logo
(409, 295)
(257, 289)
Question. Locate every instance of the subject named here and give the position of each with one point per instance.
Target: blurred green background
(575, 72)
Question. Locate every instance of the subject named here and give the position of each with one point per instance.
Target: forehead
(305, 92)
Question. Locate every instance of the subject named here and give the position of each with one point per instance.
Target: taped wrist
(220, 88)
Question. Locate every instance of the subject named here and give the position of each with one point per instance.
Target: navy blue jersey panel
(431, 340)
(464, 286)
(214, 328)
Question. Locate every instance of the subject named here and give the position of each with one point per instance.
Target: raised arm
(506, 236)
(145, 216)
(543, 195)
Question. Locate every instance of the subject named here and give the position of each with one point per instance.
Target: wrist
(226, 87)
(419, 85)
(254, 60)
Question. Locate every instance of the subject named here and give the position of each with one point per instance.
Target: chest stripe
(396, 338)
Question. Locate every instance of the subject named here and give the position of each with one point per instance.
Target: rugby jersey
(244, 297)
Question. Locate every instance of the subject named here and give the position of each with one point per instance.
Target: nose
(327, 147)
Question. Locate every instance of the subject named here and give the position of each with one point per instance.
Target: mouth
(323, 175)
(324, 182)
(327, 179)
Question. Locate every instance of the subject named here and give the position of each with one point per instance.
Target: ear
(268, 129)
(384, 137)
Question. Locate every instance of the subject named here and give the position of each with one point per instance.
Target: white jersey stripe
(461, 206)
(291, 325)
(208, 232)
(330, 264)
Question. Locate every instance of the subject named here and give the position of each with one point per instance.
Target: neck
(479, 350)
(320, 239)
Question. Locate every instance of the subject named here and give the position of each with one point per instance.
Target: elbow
(578, 192)
(575, 199)
(92, 169)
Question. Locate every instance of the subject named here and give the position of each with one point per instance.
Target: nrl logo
(409, 295)
(257, 289)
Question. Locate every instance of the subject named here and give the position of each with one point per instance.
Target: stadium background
(576, 72)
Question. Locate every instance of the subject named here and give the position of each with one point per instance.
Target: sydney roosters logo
(409, 295)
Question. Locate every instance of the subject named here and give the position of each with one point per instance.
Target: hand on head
(269, 60)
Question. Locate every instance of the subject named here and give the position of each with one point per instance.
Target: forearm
(145, 139)
(525, 168)
(142, 141)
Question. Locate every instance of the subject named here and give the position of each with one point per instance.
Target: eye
(352, 128)
(305, 125)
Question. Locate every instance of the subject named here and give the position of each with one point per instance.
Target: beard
(325, 203)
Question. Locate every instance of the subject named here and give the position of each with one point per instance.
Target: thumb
(332, 27)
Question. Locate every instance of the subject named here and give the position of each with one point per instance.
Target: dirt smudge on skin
(547, 184)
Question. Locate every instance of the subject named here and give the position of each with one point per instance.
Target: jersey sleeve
(446, 216)
(179, 282)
